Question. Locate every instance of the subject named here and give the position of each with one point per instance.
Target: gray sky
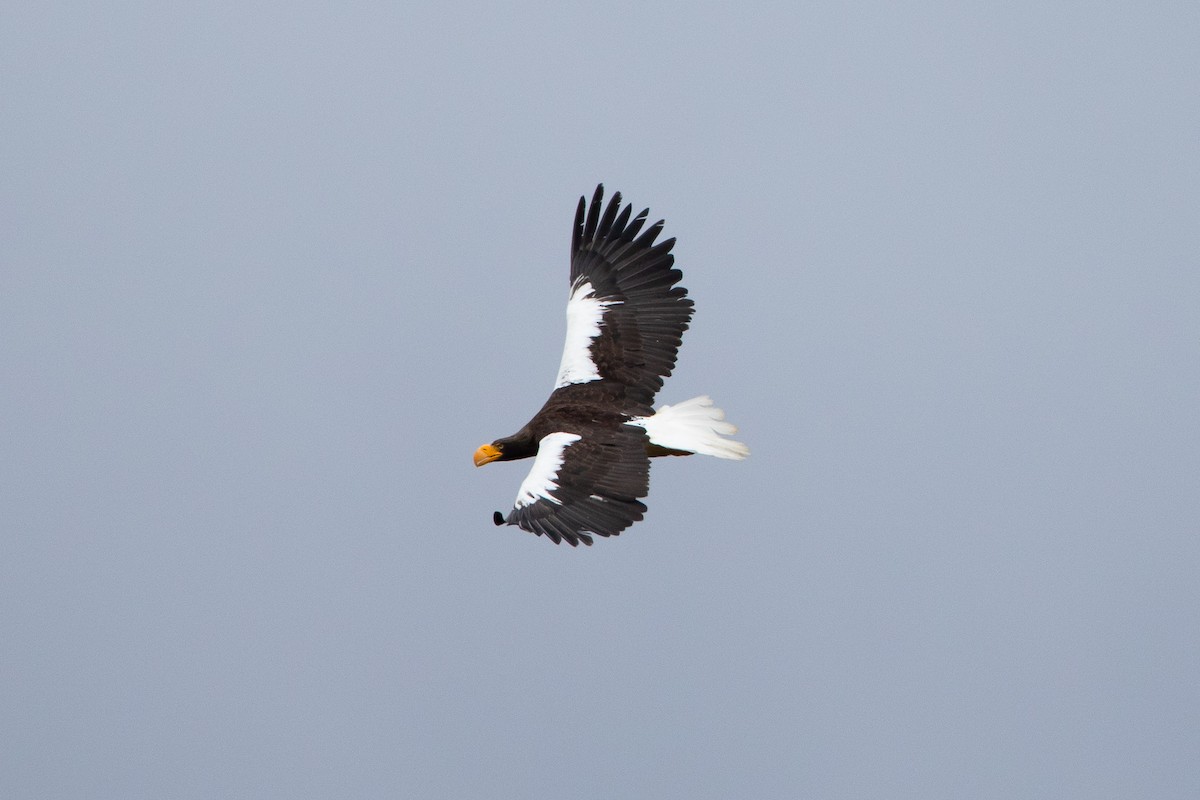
(269, 275)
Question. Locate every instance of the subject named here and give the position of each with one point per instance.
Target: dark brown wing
(644, 311)
(584, 483)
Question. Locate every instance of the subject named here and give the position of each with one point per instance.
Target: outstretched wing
(584, 484)
(626, 315)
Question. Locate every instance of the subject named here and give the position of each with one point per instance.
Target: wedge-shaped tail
(693, 426)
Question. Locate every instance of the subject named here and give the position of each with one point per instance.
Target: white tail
(695, 426)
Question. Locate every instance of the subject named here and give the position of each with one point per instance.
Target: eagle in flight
(592, 441)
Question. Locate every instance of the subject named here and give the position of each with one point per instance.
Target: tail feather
(694, 426)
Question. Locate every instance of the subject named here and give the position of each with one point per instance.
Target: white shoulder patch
(584, 316)
(543, 478)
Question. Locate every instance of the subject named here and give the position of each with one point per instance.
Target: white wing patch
(541, 480)
(584, 316)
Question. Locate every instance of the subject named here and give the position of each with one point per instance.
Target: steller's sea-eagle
(592, 441)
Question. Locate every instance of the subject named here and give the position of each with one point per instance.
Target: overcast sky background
(270, 273)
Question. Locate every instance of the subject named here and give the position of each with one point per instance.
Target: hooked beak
(486, 454)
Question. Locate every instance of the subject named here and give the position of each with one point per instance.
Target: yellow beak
(486, 454)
